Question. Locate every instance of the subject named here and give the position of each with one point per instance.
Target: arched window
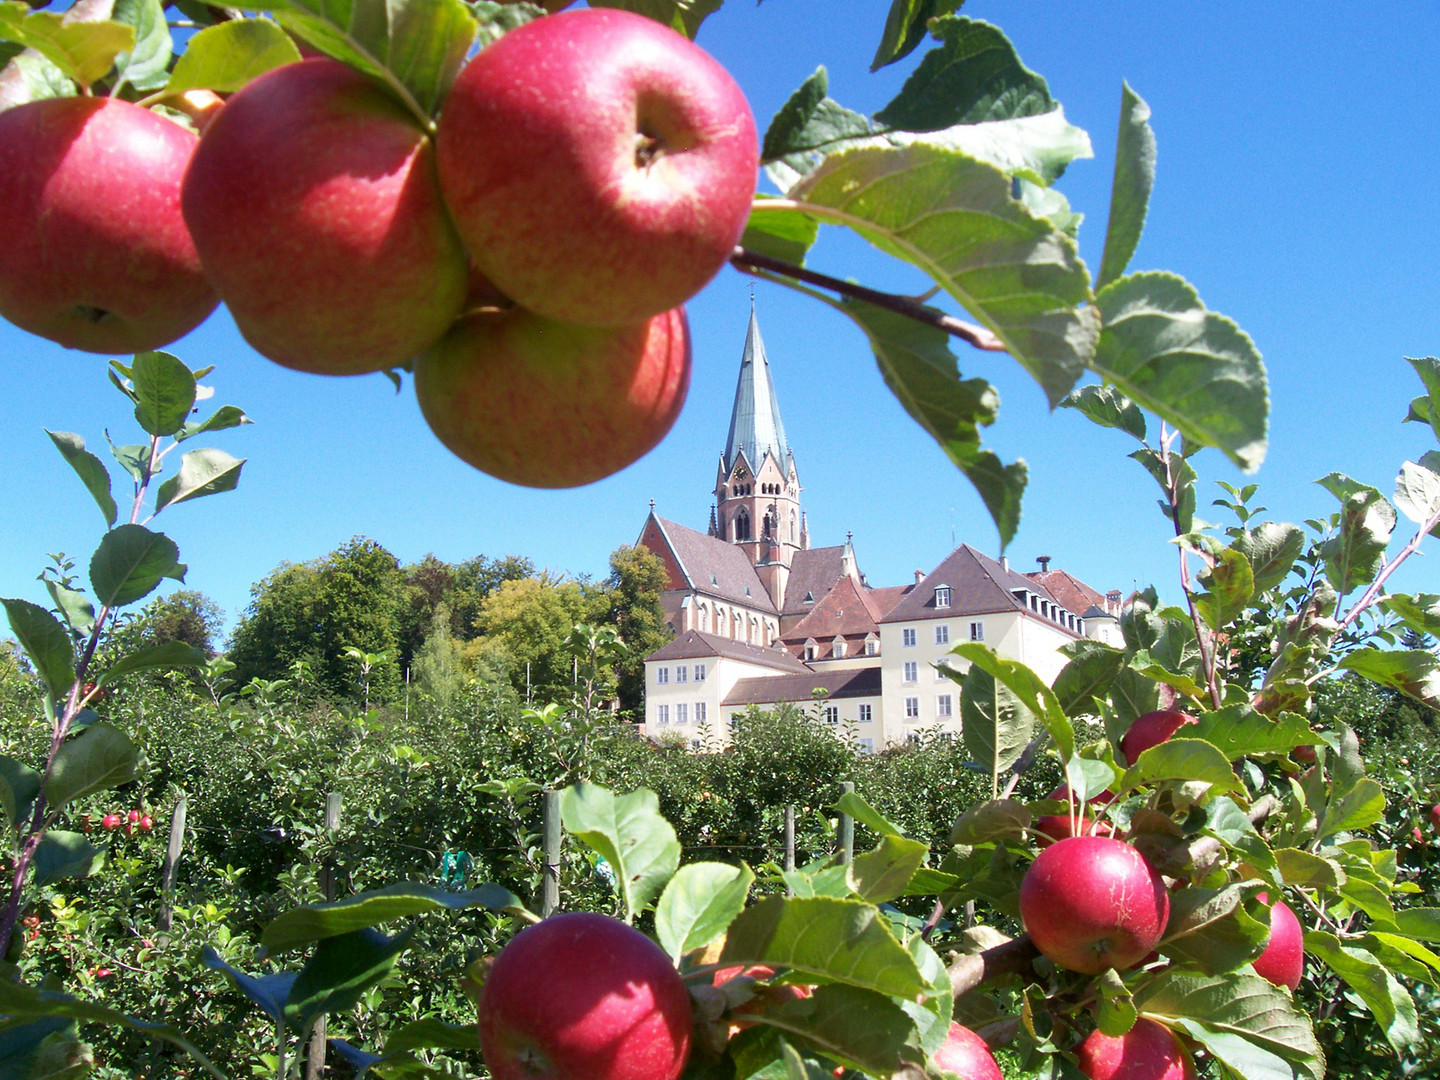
(742, 524)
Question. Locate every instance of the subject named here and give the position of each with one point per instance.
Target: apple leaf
(859, 1028)
(84, 49)
(808, 126)
(1239, 731)
(995, 725)
(1272, 549)
(19, 784)
(1414, 672)
(1383, 994)
(1212, 930)
(46, 644)
(74, 606)
(1028, 688)
(1426, 409)
(1423, 923)
(267, 991)
(867, 815)
(225, 57)
(1420, 612)
(1229, 586)
(1308, 870)
(953, 217)
(1086, 679)
(1192, 367)
(89, 468)
(342, 969)
(883, 874)
(1417, 490)
(918, 366)
(828, 939)
(1252, 1027)
(906, 26)
(682, 16)
(698, 904)
(164, 390)
(432, 1033)
(1115, 1010)
(202, 472)
(65, 855)
(1130, 190)
(32, 77)
(227, 416)
(997, 819)
(314, 922)
(1186, 760)
(1107, 407)
(416, 47)
(632, 835)
(99, 758)
(130, 562)
(1355, 554)
(779, 232)
(165, 657)
(146, 65)
(1361, 806)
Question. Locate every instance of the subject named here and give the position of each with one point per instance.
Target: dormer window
(942, 596)
(809, 597)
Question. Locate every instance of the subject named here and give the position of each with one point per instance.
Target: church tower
(757, 491)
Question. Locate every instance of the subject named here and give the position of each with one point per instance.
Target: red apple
(111, 821)
(764, 994)
(1435, 816)
(598, 165)
(147, 823)
(1148, 1051)
(1093, 902)
(584, 997)
(1283, 961)
(550, 404)
(1304, 754)
(965, 1054)
(1152, 729)
(1053, 827)
(314, 206)
(96, 253)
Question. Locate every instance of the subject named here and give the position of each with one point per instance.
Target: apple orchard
(513, 206)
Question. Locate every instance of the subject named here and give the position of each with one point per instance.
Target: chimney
(1044, 561)
(919, 576)
(1112, 601)
(1005, 563)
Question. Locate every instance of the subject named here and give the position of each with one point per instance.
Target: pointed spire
(714, 524)
(755, 420)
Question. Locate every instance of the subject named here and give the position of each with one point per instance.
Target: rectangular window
(681, 711)
(871, 647)
(912, 671)
(699, 712)
(977, 631)
(907, 636)
(865, 714)
(943, 706)
(694, 744)
(867, 746)
(942, 634)
(699, 672)
(681, 671)
(662, 713)
(662, 675)
(832, 714)
(913, 738)
(942, 595)
(912, 708)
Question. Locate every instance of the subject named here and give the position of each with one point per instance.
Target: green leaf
(19, 784)
(973, 76)
(85, 50)
(779, 232)
(918, 366)
(1308, 870)
(682, 16)
(1130, 190)
(906, 26)
(1087, 678)
(1383, 994)
(1423, 924)
(1426, 409)
(1132, 695)
(32, 77)
(828, 939)
(1183, 759)
(994, 724)
(1420, 612)
(75, 606)
(225, 57)
(432, 1033)
(867, 815)
(1028, 688)
(953, 217)
(1252, 1027)
(403, 900)
(1106, 406)
(90, 470)
(145, 67)
(133, 458)
(858, 1028)
(632, 835)
(164, 392)
(130, 562)
(1417, 491)
(808, 126)
(1355, 555)
(1171, 470)
(227, 416)
(1115, 1012)
(26, 1046)
(1359, 807)
(46, 644)
(698, 904)
(99, 758)
(267, 991)
(202, 472)
(883, 874)
(1210, 929)
(1229, 585)
(1414, 672)
(998, 819)
(164, 657)
(341, 971)
(417, 47)
(1272, 549)
(1193, 368)
(65, 855)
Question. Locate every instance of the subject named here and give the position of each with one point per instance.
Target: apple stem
(746, 260)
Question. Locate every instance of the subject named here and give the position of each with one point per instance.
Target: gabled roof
(845, 611)
(693, 644)
(755, 426)
(813, 573)
(713, 567)
(858, 682)
(1069, 591)
(978, 585)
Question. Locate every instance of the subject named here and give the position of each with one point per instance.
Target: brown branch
(743, 260)
(977, 969)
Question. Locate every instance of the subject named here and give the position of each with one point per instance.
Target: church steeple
(757, 491)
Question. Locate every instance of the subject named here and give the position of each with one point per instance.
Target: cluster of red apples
(1091, 902)
(588, 173)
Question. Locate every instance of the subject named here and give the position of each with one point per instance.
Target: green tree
(184, 615)
(637, 578)
(437, 671)
(527, 633)
(474, 580)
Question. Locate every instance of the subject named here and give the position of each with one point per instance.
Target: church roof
(978, 585)
(715, 567)
(813, 572)
(755, 426)
(845, 611)
(857, 682)
(694, 643)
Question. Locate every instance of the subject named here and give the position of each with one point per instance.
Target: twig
(977, 969)
(743, 259)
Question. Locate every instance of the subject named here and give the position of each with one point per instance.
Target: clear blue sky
(1297, 189)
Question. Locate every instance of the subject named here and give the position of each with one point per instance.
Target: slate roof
(716, 568)
(844, 611)
(694, 643)
(1069, 591)
(978, 585)
(755, 426)
(812, 571)
(859, 682)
